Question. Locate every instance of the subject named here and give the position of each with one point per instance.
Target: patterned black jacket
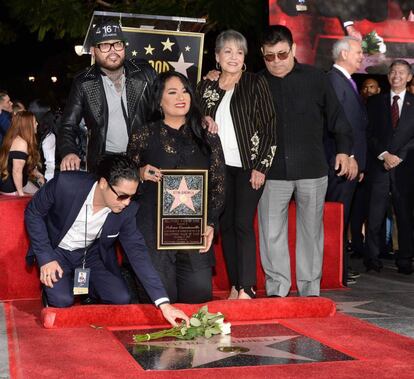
(253, 116)
(87, 100)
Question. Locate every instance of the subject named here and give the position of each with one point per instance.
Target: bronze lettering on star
(182, 209)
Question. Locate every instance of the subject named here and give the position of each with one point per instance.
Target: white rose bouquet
(202, 324)
(372, 43)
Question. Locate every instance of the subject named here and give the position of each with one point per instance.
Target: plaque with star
(182, 209)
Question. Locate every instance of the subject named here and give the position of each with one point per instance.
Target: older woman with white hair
(240, 103)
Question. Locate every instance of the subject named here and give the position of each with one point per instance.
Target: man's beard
(103, 63)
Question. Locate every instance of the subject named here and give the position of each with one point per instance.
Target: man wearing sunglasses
(73, 223)
(112, 96)
(305, 105)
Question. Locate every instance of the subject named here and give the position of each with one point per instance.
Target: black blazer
(53, 210)
(381, 135)
(355, 113)
(253, 116)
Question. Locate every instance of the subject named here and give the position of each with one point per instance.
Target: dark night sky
(51, 57)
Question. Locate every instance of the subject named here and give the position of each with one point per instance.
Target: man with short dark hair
(305, 102)
(73, 223)
(370, 87)
(113, 97)
(390, 147)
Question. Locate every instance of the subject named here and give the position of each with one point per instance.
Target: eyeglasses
(282, 56)
(105, 47)
(119, 197)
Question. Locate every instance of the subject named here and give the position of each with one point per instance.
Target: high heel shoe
(247, 293)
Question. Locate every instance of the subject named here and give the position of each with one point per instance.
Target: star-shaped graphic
(134, 53)
(205, 351)
(181, 66)
(167, 45)
(353, 307)
(183, 195)
(187, 48)
(149, 49)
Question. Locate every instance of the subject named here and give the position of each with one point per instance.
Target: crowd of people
(288, 132)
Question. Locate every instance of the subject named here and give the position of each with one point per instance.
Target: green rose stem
(173, 332)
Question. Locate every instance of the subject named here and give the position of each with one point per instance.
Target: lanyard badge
(82, 274)
(81, 281)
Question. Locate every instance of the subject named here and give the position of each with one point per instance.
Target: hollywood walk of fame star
(183, 195)
(187, 48)
(205, 351)
(134, 53)
(149, 49)
(181, 66)
(167, 45)
(353, 307)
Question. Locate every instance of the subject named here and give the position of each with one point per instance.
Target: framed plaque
(182, 209)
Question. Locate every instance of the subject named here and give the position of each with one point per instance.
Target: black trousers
(237, 230)
(402, 202)
(186, 274)
(183, 281)
(358, 216)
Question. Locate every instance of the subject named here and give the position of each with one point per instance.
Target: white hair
(341, 45)
(231, 36)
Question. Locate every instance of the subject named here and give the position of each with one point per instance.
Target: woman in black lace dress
(176, 139)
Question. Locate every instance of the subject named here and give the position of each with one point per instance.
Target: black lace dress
(164, 147)
(7, 186)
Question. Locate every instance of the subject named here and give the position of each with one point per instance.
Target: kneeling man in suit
(73, 223)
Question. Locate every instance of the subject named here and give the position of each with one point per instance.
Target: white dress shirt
(345, 72)
(87, 227)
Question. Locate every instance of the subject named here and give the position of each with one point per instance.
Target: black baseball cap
(107, 32)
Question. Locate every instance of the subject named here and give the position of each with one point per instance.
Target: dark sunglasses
(282, 56)
(105, 47)
(119, 197)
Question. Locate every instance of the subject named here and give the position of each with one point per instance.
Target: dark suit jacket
(356, 114)
(382, 137)
(53, 210)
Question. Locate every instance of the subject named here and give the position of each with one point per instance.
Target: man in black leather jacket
(113, 97)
